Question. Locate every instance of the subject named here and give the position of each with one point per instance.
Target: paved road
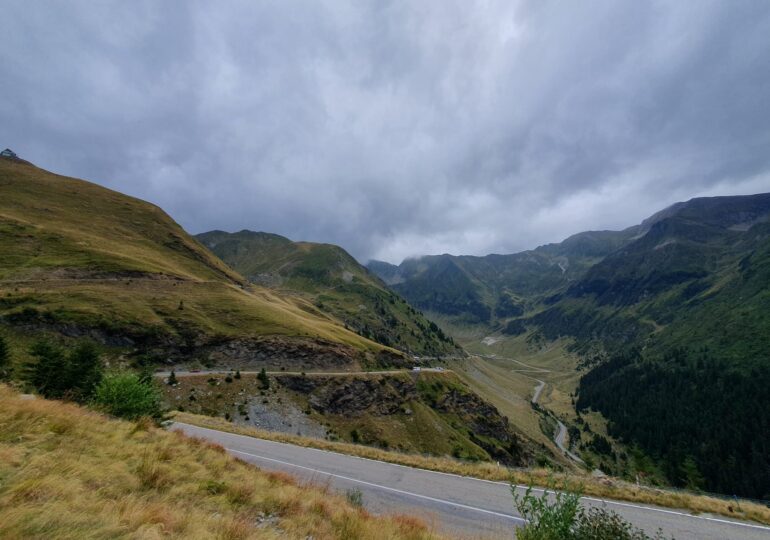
(538, 389)
(560, 432)
(185, 373)
(560, 437)
(453, 504)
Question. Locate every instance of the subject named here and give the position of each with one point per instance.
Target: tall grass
(66, 472)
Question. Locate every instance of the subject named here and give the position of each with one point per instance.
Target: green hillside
(681, 321)
(697, 277)
(81, 260)
(335, 283)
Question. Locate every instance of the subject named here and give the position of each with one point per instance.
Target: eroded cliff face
(485, 422)
(430, 413)
(398, 396)
(354, 396)
(276, 353)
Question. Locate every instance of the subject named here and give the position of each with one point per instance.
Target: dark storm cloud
(395, 128)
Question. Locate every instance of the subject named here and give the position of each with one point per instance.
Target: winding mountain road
(560, 432)
(450, 503)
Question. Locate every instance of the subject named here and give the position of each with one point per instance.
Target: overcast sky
(394, 128)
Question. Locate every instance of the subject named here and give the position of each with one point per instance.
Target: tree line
(705, 420)
(77, 374)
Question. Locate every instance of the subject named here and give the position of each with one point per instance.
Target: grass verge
(66, 472)
(598, 487)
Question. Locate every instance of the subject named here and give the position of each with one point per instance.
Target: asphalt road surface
(198, 373)
(452, 504)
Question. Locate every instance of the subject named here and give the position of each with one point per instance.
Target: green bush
(125, 395)
(602, 524)
(557, 515)
(547, 519)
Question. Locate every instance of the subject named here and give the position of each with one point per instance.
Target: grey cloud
(395, 128)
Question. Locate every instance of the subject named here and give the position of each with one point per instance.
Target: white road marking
(386, 488)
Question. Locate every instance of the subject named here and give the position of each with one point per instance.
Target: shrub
(602, 524)
(557, 515)
(355, 497)
(125, 395)
(547, 520)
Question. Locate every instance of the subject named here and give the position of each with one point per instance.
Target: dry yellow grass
(66, 472)
(606, 487)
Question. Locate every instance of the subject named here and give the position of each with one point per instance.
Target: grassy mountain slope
(80, 259)
(699, 275)
(70, 473)
(681, 317)
(336, 284)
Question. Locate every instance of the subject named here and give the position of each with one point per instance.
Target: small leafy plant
(355, 497)
(551, 516)
(557, 515)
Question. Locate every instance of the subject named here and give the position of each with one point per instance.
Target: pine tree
(263, 378)
(172, 379)
(84, 371)
(47, 372)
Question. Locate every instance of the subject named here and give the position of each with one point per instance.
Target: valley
(385, 270)
(520, 360)
(660, 324)
(535, 394)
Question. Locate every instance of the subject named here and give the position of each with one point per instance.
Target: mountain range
(671, 319)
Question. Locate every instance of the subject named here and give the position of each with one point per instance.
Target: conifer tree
(84, 371)
(263, 378)
(46, 373)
